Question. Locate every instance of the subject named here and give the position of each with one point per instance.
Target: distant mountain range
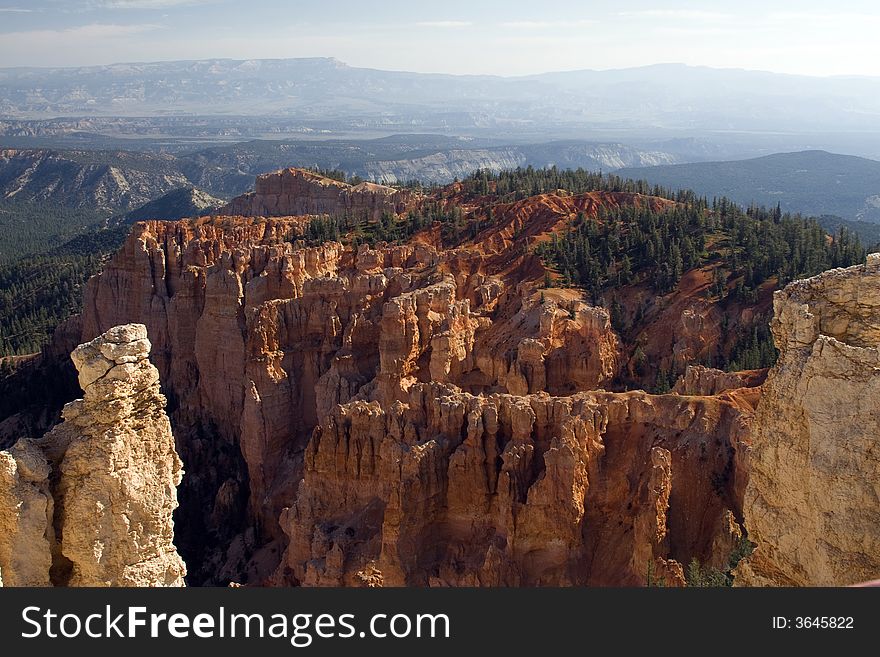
(99, 180)
(48, 196)
(811, 182)
(742, 112)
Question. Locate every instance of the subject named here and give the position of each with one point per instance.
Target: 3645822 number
(823, 622)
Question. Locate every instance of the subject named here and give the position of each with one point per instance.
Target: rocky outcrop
(556, 345)
(445, 488)
(300, 192)
(26, 509)
(699, 380)
(91, 503)
(811, 504)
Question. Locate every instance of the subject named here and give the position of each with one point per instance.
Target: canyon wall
(444, 488)
(434, 376)
(811, 504)
(407, 414)
(91, 502)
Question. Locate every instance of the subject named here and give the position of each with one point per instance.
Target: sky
(510, 37)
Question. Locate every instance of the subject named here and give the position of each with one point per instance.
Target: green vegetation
(868, 231)
(39, 292)
(628, 245)
(651, 579)
(519, 183)
(632, 245)
(391, 228)
(812, 182)
(509, 185)
(699, 576)
(754, 350)
(663, 383)
(746, 248)
(30, 228)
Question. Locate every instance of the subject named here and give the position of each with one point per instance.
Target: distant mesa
(294, 192)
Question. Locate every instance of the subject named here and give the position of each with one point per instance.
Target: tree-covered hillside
(810, 182)
(30, 228)
(39, 292)
(632, 243)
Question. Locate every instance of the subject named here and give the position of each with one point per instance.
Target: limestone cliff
(90, 503)
(811, 503)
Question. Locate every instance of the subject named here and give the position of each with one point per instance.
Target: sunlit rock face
(811, 504)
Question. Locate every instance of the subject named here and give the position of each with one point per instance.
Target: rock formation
(300, 192)
(369, 414)
(811, 504)
(267, 348)
(90, 503)
(26, 508)
(256, 339)
(699, 380)
(446, 488)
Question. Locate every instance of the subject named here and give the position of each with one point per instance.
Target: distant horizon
(660, 64)
(510, 38)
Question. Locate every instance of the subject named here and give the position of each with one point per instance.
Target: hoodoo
(91, 503)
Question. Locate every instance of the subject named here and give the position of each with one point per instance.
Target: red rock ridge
(299, 192)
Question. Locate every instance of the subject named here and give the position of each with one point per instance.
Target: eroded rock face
(446, 488)
(408, 414)
(300, 192)
(26, 509)
(811, 504)
(699, 380)
(116, 470)
(412, 414)
(91, 502)
(257, 339)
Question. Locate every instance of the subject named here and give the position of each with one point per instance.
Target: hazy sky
(814, 37)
